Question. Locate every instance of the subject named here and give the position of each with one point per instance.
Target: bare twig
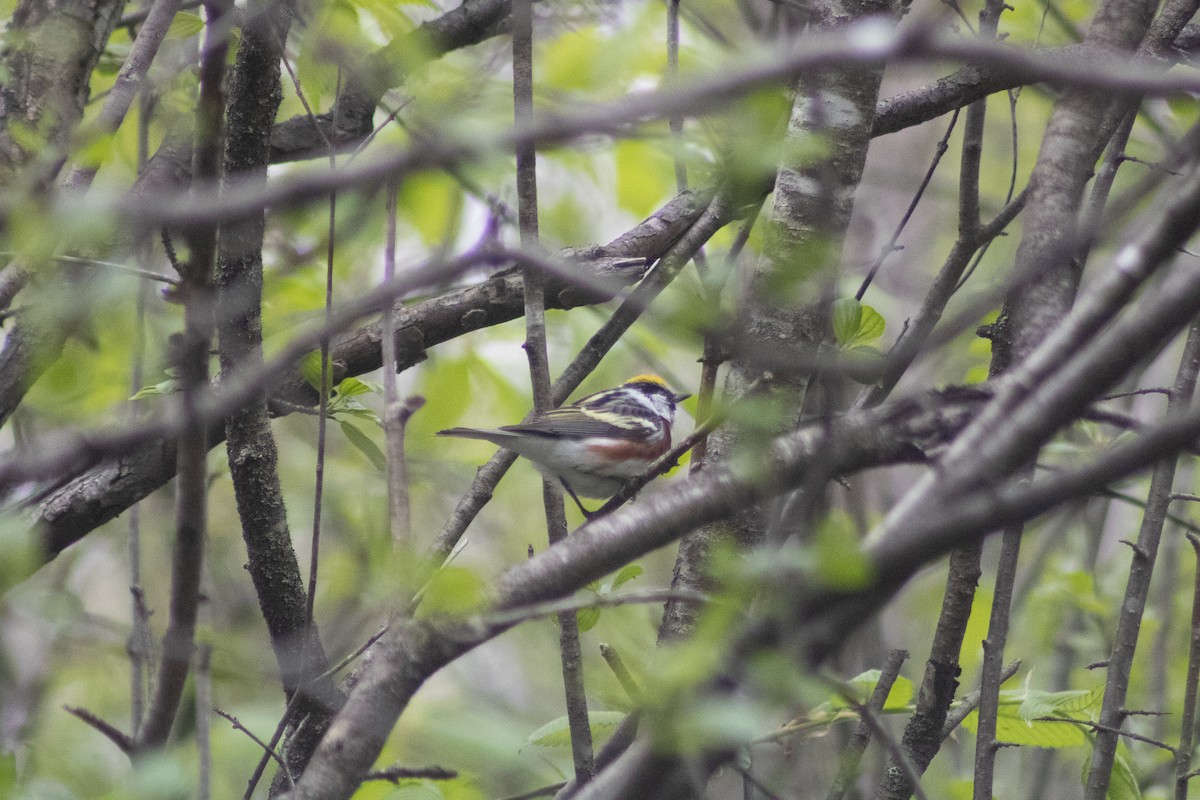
(570, 605)
(713, 356)
(1111, 731)
(396, 417)
(203, 727)
(943, 146)
(748, 775)
(1187, 715)
(92, 262)
(539, 374)
(899, 756)
(268, 749)
(118, 737)
(396, 774)
(853, 752)
(1129, 622)
(393, 425)
(140, 642)
(191, 359)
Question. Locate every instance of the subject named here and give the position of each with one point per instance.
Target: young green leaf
(1012, 729)
(856, 325)
(627, 573)
(586, 618)
(361, 412)
(185, 25)
(1036, 704)
(1123, 785)
(557, 732)
(365, 445)
(310, 369)
(847, 315)
(353, 386)
(453, 591)
(870, 328)
(899, 697)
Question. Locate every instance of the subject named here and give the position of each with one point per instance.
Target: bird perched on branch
(594, 445)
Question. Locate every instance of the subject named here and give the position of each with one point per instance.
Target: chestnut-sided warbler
(596, 443)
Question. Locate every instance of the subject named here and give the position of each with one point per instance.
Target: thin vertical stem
(139, 634)
(710, 361)
(204, 707)
(397, 480)
(191, 356)
(539, 372)
(395, 414)
(943, 147)
(854, 750)
(675, 122)
(993, 662)
(1120, 663)
(993, 656)
(1187, 716)
(323, 402)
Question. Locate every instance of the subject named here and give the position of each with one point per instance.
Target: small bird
(594, 445)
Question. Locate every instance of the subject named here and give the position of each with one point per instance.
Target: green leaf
(310, 369)
(361, 412)
(557, 732)
(1012, 729)
(1122, 781)
(864, 683)
(170, 386)
(839, 559)
(871, 328)
(856, 325)
(456, 591)
(627, 573)
(392, 21)
(8, 774)
(587, 618)
(899, 696)
(20, 556)
(365, 445)
(1036, 704)
(185, 25)
(847, 315)
(1022, 717)
(1123, 785)
(353, 386)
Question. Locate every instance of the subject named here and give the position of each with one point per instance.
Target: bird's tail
(470, 433)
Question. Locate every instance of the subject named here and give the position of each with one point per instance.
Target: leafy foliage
(68, 627)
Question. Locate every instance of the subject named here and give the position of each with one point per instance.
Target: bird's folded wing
(575, 423)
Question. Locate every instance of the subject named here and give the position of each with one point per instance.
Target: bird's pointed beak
(679, 398)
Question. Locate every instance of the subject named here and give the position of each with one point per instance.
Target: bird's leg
(586, 514)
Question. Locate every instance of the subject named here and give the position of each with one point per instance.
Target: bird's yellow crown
(657, 381)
